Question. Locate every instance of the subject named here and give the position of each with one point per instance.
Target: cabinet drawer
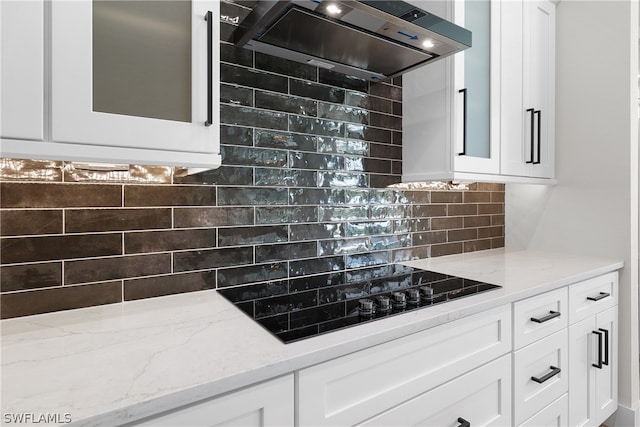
(554, 415)
(481, 397)
(539, 316)
(540, 360)
(592, 296)
(355, 387)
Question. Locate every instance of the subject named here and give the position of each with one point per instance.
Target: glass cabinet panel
(142, 58)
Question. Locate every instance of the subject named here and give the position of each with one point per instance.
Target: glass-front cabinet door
(140, 74)
(476, 89)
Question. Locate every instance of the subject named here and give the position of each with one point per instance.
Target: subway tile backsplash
(300, 205)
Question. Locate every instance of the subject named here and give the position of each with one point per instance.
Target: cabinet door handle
(605, 360)
(551, 315)
(599, 364)
(531, 112)
(464, 121)
(209, 18)
(554, 371)
(539, 113)
(463, 422)
(600, 296)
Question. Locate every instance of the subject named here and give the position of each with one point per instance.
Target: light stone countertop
(117, 363)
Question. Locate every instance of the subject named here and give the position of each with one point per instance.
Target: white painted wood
(580, 307)
(22, 69)
(482, 397)
(606, 383)
(582, 343)
(528, 79)
(536, 359)
(368, 382)
(525, 330)
(266, 404)
(554, 415)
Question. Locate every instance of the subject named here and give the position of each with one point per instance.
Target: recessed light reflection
(428, 43)
(333, 9)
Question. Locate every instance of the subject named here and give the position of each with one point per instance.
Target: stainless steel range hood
(370, 39)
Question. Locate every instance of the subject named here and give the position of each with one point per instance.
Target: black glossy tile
(396, 137)
(251, 274)
(103, 269)
(368, 133)
(317, 91)
(165, 195)
(385, 121)
(236, 95)
(224, 175)
(212, 258)
(377, 166)
(286, 103)
(342, 179)
(385, 212)
(316, 265)
(30, 222)
(343, 246)
(212, 217)
(46, 248)
(30, 276)
(168, 240)
(312, 196)
(235, 135)
(253, 78)
(252, 117)
(285, 251)
(236, 55)
(343, 213)
(286, 140)
(386, 151)
(343, 113)
(368, 228)
(286, 177)
(386, 91)
(368, 260)
(378, 243)
(284, 66)
(149, 287)
(250, 156)
(286, 215)
(341, 80)
(304, 283)
(370, 273)
(251, 196)
(352, 163)
(397, 109)
(372, 103)
(315, 126)
(236, 236)
(303, 160)
(342, 146)
(382, 181)
(315, 231)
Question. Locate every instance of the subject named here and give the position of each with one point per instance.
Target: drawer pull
(551, 315)
(599, 364)
(554, 371)
(600, 296)
(463, 422)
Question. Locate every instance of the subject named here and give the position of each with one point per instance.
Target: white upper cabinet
(486, 113)
(450, 110)
(528, 89)
(111, 81)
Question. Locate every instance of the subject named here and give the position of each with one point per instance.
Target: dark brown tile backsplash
(300, 204)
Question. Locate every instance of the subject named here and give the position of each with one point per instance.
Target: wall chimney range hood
(369, 39)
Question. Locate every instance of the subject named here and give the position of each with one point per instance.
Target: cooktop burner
(301, 308)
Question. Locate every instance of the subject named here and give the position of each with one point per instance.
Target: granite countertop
(112, 364)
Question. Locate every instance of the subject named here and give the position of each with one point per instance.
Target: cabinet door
(554, 415)
(134, 74)
(476, 89)
(606, 379)
(582, 343)
(22, 69)
(480, 397)
(266, 404)
(527, 98)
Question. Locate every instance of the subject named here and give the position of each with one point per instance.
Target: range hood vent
(369, 39)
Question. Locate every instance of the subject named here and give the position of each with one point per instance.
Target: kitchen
(294, 189)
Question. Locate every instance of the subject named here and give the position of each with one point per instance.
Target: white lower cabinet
(593, 344)
(554, 415)
(479, 398)
(266, 404)
(352, 389)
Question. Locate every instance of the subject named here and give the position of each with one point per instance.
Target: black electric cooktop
(300, 308)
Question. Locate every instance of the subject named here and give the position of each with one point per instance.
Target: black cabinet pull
(539, 113)
(463, 422)
(554, 371)
(532, 112)
(599, 364)
(551, 315)
(605, 360)
(600, 296)
(209, 18)
(464, 121)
